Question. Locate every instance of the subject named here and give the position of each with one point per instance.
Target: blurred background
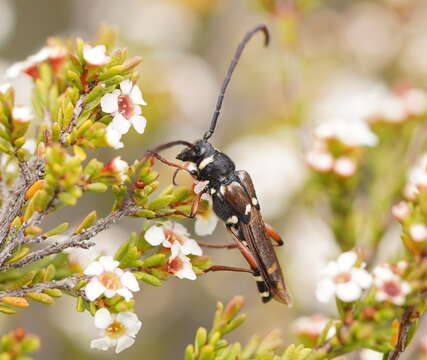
(324, 55)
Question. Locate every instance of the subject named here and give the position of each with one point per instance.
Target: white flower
(125, 107)
(29, 65)
(349, 132)
(206, 219)
(418, 232)
(118, 167)
(401, 210)
(320, 161)
(22, 114)
(116, 330)
(390, 286)
(343, 279)
(180, 265)
(171, 233)
(344, 167)
(312, 326)
(95, 55)
(4, 88)
(109, 280)
(368, 354)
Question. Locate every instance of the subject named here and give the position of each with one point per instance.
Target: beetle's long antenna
(170, 144)
(230, 70)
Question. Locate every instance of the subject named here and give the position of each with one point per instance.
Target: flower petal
(348, 291)
(120, 124)
(128, 279)
(94, 268)
(126, 86)
(125, 293)
(103, 318)
(205, 226)
(108, 263)
(191, 247)
(362, 278)
(110, 103)
(102, 343)
(136, 96)
(94, 289)
(325, 290)
(155, 235)
(139, 123)
(123, 343)
(186, 272)
(130, 321)
(113, 138)
(346, 260)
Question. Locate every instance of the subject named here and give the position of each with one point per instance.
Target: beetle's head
(197, 152)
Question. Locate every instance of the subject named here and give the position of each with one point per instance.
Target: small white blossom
(206, 219)
(180, 265)
(29, 65)
(312, 326)
(390, 286)
(117, 331)
(125, 107)
(343, 279)
(344, 167)
(320, 161)
(401, 210)
(172, 233)
(109, 280)
(418, 232)
(22, 114)
(350, 132)
(118, 167)
(95, 55)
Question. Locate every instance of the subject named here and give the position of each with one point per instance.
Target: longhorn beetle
(234, 198)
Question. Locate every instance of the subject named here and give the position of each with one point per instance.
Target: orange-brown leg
(273, 235)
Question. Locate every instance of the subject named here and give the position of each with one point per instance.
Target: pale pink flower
(312, 326)
(344, 167)
(180, 265)
(401, 210)
(320, 161)
(390, 286)
(95, 56)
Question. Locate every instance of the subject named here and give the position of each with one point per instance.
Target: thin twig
(80, 240)
(405, 325)
(68, 283)
(77, 111)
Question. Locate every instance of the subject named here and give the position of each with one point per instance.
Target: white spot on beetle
(192, 168)
(254, 201)
(213, 191)
(232, 220)
(248, 209)
(244, 243)
(205, 162)
(265, 294)
(222, 189)
(258, 278)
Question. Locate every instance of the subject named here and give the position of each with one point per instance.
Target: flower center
(115, 330)
(342, 278)
(126, 107)
(175, 265)
(391, 288)
(110, 280)
(172, 237)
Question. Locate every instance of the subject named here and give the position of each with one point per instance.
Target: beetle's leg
(227, 268)
(244, 250)
(191, 215)
(263, 287)
(273, 235)
(169, 163)
(213, 246)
